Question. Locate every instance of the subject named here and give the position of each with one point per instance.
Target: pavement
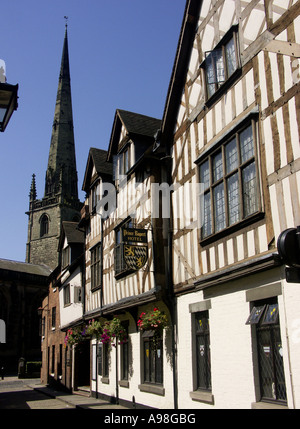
(70, 400)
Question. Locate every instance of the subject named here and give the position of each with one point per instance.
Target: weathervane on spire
(66, 18)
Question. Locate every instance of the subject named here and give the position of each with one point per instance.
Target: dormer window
(66, 257)
(95, 194)
(125, 162)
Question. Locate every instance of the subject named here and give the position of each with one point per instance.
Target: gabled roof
(180, 67)
(97, 158)
(71, 232)
(137, 125)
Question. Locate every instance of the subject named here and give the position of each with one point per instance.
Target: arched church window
(44, 225)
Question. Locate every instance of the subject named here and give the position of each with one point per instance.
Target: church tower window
(44, 225)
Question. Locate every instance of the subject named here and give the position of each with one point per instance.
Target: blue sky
(121, 56)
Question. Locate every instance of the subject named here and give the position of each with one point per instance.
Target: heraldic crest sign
(135, 255)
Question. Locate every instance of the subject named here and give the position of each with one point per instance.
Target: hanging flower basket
(105, 337)
(110, 332)
(154, 321)
(94, 329)
(117, 331)
(75, 336)
(114, 333)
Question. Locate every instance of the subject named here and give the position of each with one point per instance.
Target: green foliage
(109, 332)
(75, 336)
(32, 367)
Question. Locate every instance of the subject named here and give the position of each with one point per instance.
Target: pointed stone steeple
(60, 202)
(61, 175)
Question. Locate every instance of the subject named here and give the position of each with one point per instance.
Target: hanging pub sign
(134, 235)
(135, 256)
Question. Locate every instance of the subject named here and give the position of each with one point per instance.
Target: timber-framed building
(235, 130)
(227, 154)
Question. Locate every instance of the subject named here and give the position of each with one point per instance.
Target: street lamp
(8, 103)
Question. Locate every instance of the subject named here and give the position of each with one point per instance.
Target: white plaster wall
(135, 359)
(73, 311)
(231, 343)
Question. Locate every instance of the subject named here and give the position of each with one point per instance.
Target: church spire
(61, 175)
(60, 202)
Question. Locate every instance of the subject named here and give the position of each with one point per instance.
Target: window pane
(96, 266)
(119, 263)
(266, 364)
(219, 206)
(152, 362)
(203, 351)
(204, 174)
(230, 57)
(219, 66)
(126, 161)
(215, 73)
(249, 190)
(118, 236)
(201, 321)
(158, 363)
(231, 156)
(246, 144)
(146, 361)
(217, 167)
(279, 369)
(210, 76)
(121, 166)
(67, 295)
(271, 315)
(233, 199)
(255, 315)
(207, 224)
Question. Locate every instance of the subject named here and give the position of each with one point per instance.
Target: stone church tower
(60, 202)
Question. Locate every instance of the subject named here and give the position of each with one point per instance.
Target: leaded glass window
(96, 266)
(153, 358)
(220, 63)
(265, 318)
(203, 350)
(229, 176)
